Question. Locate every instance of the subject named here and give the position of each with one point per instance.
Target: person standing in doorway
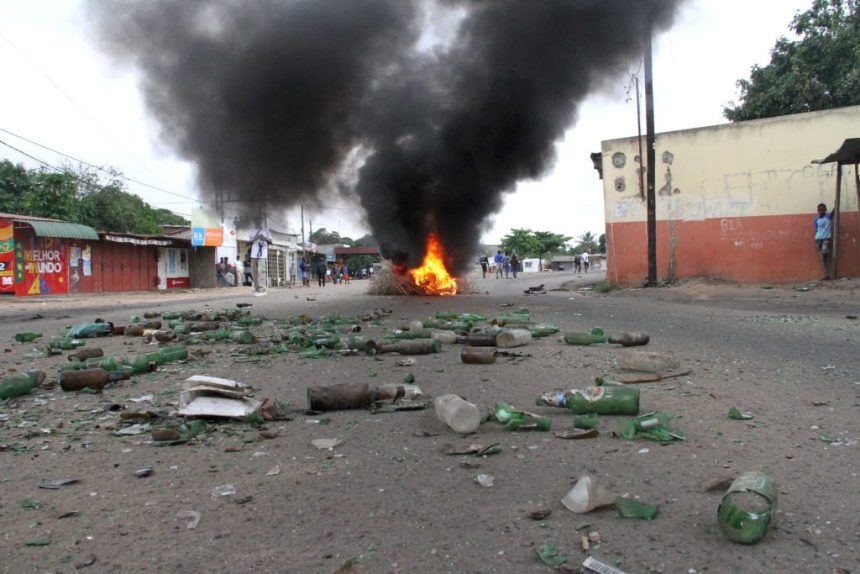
(498, 260)
(585, 260)
(260, 241)
(515, 264)
(824, 237)
(322, 269)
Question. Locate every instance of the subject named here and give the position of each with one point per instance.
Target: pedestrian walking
(506, 263)
(585, 260)
(498, 259)
(515, 264)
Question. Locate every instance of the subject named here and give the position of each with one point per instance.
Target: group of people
(336, 273)
(504, 265)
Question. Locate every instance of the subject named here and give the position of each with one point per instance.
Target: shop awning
(848, 152)
(60, 229)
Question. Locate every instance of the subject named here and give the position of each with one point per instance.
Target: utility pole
(652, 159)
(303, 225)
(641, 168)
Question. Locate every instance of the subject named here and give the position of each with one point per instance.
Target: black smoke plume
(270, 98)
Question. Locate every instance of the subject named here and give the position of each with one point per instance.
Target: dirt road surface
(388, 498)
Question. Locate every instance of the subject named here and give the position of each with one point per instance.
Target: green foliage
(82, 196)
(818, 71)
(601, 243)
(587, 242)
(323, 236)
(14, 186)
(52, 195)
(365, 241)
(522, 242)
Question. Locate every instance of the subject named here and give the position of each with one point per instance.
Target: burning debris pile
(282, 102)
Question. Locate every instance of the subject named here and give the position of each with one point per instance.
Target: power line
(92, 165)
(75, 104)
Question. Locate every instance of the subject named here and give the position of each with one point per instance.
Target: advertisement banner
(7, 257)
(41, 267)
(206, 230)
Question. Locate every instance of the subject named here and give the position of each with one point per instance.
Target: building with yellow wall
(734, 201)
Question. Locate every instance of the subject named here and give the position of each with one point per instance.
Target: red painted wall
(749, 249)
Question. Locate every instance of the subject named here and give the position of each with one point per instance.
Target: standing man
(506, 262)
(485, 262)
(498, 260)
(303, 271)
(585, 260)
(259, 241)
(322, 269)
(515, 264)
(824, 237)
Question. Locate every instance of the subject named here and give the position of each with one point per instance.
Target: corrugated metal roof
(61, 229)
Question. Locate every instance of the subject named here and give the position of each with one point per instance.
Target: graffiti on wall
(41, 267)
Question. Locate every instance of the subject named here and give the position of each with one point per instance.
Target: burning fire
(431, 277)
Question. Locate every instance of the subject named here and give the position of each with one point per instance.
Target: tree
(522, 242)
(819, 71)
(323, 236)
(550, 242)
(602, 243)
(587, 242)
(53, 195)
(365, 241)
(14, 185)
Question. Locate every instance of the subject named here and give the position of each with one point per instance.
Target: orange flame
(432, 277)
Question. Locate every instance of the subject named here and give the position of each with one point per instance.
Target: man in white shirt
(585, 260)
(259, 241)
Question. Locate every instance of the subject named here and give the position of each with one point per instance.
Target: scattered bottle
(478, 340)
(510, 338)
(111, 364)
(649, 361)
(350, 396)
(478, 355)
(134, 331)
(408, 347)
(516, 420)
(595, 336)
(65, 344)
(95, 378)
(460, 415)
(630, 339)
(599, 400)
(21, 384)
(27, 337)
(747, 508)
(86, 353)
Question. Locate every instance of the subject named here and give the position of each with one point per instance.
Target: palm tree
(587, 242)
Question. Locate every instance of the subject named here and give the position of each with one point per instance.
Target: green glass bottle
(543, 329)
(747, 508)
(516, 420)
(243, 337)
(65, 344)
(577, 338)
(27, 337)
(89, 330)
(599, 400)
(20, 384)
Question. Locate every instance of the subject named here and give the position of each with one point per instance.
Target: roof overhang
(60, 229)
(848, 152)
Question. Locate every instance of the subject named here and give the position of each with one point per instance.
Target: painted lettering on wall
(42, 267)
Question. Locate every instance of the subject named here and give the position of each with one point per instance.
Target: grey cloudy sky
(60, 92)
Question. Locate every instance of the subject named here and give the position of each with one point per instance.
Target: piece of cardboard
(206, 396)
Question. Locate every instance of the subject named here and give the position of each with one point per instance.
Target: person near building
(824, 237)
(485, 263)
(506, 263)
(246, 270)
(260, 240)
(221, 272)
(515, 264)
(303, 270)
(577, 263)
(498, 260)
(322, 269)
(585, 257)
(345, 273)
